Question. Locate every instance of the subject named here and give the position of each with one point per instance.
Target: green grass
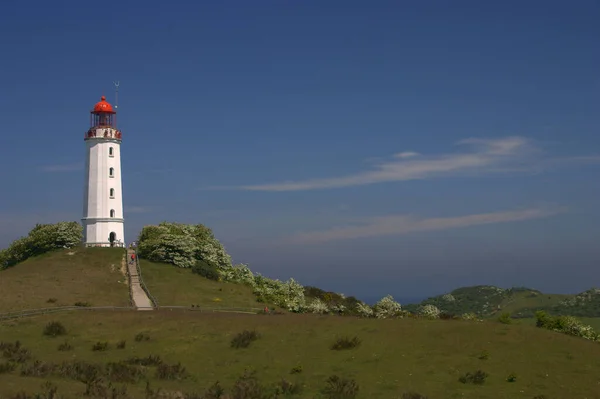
(394, 355)
(174, 286)
(64, 277)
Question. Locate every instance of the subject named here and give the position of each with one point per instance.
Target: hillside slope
(176, 286)
(487, 301)
(64, 277)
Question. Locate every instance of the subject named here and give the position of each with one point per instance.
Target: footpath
(140, 299)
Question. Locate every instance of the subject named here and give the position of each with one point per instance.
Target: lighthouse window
(111, 152)
(112, 193)
(112, 213)
(111, 172)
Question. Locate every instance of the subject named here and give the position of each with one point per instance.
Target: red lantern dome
(103, 107)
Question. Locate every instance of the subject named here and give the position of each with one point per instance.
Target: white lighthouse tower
(103, 194)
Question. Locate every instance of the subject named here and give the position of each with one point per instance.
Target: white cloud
(406, 154)
(405, 224)
(504, 155)
(63, 167)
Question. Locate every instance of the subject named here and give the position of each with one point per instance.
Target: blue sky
(364, 147)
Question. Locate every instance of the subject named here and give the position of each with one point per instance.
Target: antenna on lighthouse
(116, 83)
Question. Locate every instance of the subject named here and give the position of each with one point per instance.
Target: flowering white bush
(288, 295)
(430, 311)
(572, 326)
(469, 316)
(364, 310)
(448, 298)
(317, 306)
(181, 245)
(338, 308)
(387, 308)
(41, 239)
(239, 273)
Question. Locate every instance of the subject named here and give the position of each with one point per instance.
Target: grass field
(395, 355)
(90, 275)
(174, 286)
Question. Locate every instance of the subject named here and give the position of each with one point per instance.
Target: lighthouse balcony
(100, 132)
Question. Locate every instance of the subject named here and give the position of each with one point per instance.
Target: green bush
(206, 270)
(478, 377)
(567, 325)
(14, 352)
(413, 395)
(505, 318)
(139, 337)
(345, 343)
(248, 386)
(171, 371)
(340, 388)
(7, 367)
(244, 339)
(41, 239)
(100, 346)
(287, 388)
(65, 346)
(54, 329)
(182, 245)
(296, 369)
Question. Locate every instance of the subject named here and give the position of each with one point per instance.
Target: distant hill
(520, 302)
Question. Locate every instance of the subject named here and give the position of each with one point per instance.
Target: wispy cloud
(404, 224)
(63, 167)
(482, 156)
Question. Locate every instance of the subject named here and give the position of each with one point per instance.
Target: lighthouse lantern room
(103, 192)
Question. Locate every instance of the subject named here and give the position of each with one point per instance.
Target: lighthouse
(103, 193)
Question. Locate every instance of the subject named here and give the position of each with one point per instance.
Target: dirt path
(140, 299)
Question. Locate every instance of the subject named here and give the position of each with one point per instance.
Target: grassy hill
(488, 301)
(175, 286)
(64, 277)
(395, 356)
(184, 351)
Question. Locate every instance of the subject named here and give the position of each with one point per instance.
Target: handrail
(213, 309)
(42, 311)
(103, 244)
(131, 301)
(142, 284)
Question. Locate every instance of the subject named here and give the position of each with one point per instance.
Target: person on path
(132, 258)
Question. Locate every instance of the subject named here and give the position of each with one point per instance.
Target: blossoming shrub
(182, 245)
(41, 239)
(387, 308)
(566, 324)
(317, 306)
(364, 310)
(337, 303)
(468, 316)
(430, 312)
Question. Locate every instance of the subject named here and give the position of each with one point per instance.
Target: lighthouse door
(111, 238)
